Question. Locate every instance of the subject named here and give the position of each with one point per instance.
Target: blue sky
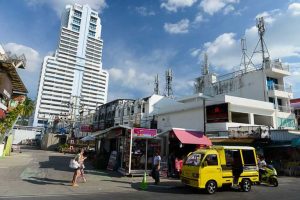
(146, 37)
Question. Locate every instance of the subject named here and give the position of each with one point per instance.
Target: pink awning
(192, 137)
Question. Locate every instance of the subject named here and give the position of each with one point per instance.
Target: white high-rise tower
(73, 79)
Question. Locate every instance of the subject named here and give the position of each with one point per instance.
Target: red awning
(191, 137)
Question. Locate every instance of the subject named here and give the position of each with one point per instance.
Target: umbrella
(88, 138)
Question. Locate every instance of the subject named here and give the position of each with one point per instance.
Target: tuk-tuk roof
(233, 147)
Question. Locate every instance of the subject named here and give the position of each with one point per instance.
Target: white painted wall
(252, 86)
(19, 135)
(189, 115)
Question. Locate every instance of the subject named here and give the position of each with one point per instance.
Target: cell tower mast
(245, 60)
(205, 65)
(260, 24)
(156, 85)
(169, 78)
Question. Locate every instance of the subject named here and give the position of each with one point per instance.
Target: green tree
(23, 110)
(26, 110)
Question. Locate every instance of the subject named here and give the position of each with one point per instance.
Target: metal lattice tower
(156, 85)
(169, 77)
(205, 66)
(245, 60)
(260, 24)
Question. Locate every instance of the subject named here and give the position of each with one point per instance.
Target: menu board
(112, 161)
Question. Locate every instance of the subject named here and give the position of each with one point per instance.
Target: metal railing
(284, 109)
(277, 64)
(284, 88)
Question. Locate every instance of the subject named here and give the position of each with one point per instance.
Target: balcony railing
(284, 109)
(277, 64)
(284, 88)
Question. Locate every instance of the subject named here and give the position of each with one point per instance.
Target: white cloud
(195, 52)
(213, 6)
(32, 56)
(228, 9)
(294, 8)
(281, 40)
(178, 28)
(269, 17)
(198, 19)
(59, 5)
(173, 5)
(223, 51)
(144, 11)
(294, 79)
(130, 78)
(134, 73)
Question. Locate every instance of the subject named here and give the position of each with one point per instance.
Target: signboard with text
(144, 133)
(217, 113)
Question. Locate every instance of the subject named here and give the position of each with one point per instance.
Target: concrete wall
(20, 135)
(49, 141)
(251, 86)
(188, 119)
(189, 115)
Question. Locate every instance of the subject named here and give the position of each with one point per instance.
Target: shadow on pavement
(167, 187)
(90, 170)
(60, 163)
(46, 181)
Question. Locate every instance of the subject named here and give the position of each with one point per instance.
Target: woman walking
(79, 158)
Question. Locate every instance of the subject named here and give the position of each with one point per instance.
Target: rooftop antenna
(260, 24)
(156, 85)
(205, 64)
(169, 77)
(244, 64)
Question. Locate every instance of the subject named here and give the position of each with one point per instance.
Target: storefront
(130, 150)
(178, 143)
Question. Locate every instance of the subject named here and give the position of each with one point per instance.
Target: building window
(92, 26)
(76, 21)
(77, 13)
(92, 33)
(75, 28)
(271, 83)
(93, 20)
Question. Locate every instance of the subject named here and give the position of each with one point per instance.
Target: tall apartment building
(73, 79)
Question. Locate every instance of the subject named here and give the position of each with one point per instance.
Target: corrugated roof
(17, 83)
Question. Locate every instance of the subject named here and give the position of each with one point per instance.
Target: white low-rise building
(228, 111)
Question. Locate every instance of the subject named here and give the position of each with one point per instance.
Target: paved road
(36, 174)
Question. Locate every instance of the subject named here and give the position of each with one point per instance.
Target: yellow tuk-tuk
(211, 168)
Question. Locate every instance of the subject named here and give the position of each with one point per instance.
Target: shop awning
(191, 137)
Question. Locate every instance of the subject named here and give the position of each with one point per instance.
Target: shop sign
(144, 132)
(86, 128)
(217, 113)
(256, 132)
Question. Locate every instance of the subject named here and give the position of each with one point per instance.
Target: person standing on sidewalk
(156, 167)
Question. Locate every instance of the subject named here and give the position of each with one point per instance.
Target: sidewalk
(46, 173)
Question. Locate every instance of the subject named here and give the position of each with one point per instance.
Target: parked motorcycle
(269, 176)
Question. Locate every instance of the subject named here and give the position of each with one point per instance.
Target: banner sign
(144, 132)
(217, 113)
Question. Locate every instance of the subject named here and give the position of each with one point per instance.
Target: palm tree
(26, 109)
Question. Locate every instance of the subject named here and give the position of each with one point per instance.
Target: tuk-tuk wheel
(246, 185)
(211, 187)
